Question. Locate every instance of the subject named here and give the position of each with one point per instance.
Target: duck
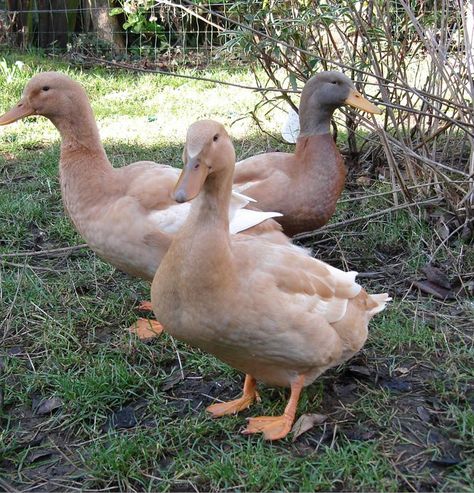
(305, 185)
(127, 215)
(269, 310)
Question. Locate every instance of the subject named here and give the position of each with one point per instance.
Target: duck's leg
(145, 328)
(276, 427)
(249, 395)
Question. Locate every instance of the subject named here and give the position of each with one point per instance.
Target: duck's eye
(45, 88)
(334, 82)
(215, 137)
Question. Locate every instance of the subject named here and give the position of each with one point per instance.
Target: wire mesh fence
(155, 30)
(415, 59)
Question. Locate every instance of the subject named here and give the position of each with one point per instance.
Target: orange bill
(21, 110)
(356, 100)
(191, 180)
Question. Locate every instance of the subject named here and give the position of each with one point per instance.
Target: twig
(329, 227)
(191, 12)
(398, 190)
(461, 226)
(32, 267)
(134, 68)
(44, 252)
(7, 486)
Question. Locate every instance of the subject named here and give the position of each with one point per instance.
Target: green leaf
(294, 84)
(116, 11)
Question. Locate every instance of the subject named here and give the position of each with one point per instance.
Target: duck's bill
(190, 181)
(21, 110)
(356, 100)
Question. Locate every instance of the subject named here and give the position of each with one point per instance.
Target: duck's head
(327, 91)
(49, 94)
(208, 151)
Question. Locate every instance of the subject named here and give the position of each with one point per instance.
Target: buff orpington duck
(305, 186)
(269, 310)
(126, 215)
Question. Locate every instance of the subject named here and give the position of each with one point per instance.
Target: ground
(84, 404)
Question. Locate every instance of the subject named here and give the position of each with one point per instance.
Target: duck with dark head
(305, 186)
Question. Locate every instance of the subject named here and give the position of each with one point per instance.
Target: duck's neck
(204, 241)
(80, 140)
(210, 211)
(85, 173)
(315, 120)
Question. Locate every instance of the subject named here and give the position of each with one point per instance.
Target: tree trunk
(107, 27)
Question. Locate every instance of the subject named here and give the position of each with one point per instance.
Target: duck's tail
(378, 303)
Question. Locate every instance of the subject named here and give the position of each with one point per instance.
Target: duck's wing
(291, 127)
(152, 186)
(293, 275)
(242, 219)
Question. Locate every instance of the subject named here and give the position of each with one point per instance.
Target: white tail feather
(381, 300)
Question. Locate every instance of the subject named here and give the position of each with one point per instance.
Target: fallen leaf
(343, 390)
(146, 306)
(47, 406)
(306, 422)
(146, 329)
(435, 438)
(396, 384)
(364, 181)
(436, 276)
(359, 434)
(37, 455)
(360, 370)
(446, 460)
(15, 351)
(402, 370)
(442, 229)
(433, 289)
(424, 415)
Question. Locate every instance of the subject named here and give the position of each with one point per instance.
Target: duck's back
(304, 186)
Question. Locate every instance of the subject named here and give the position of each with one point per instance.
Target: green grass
(63, 320)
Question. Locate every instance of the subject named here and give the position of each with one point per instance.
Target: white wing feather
(171, 219)
(291, 128)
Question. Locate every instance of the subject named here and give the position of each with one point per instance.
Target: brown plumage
(269, 310)
(305, 186)
(127, 215)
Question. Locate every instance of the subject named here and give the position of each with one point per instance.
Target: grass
(404, 423)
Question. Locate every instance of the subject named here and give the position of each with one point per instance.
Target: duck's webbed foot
(272, 427)
(276, 427)
(249, 395)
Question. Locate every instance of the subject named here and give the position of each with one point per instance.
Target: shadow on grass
(398, 416)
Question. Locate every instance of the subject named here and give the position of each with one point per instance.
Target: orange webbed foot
(249, 395)
(233, 407)
(276, 427)
(146, 329)
(272, 427)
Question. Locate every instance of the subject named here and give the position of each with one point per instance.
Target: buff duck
(305, 186)
(126, 215)
(269, 310)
